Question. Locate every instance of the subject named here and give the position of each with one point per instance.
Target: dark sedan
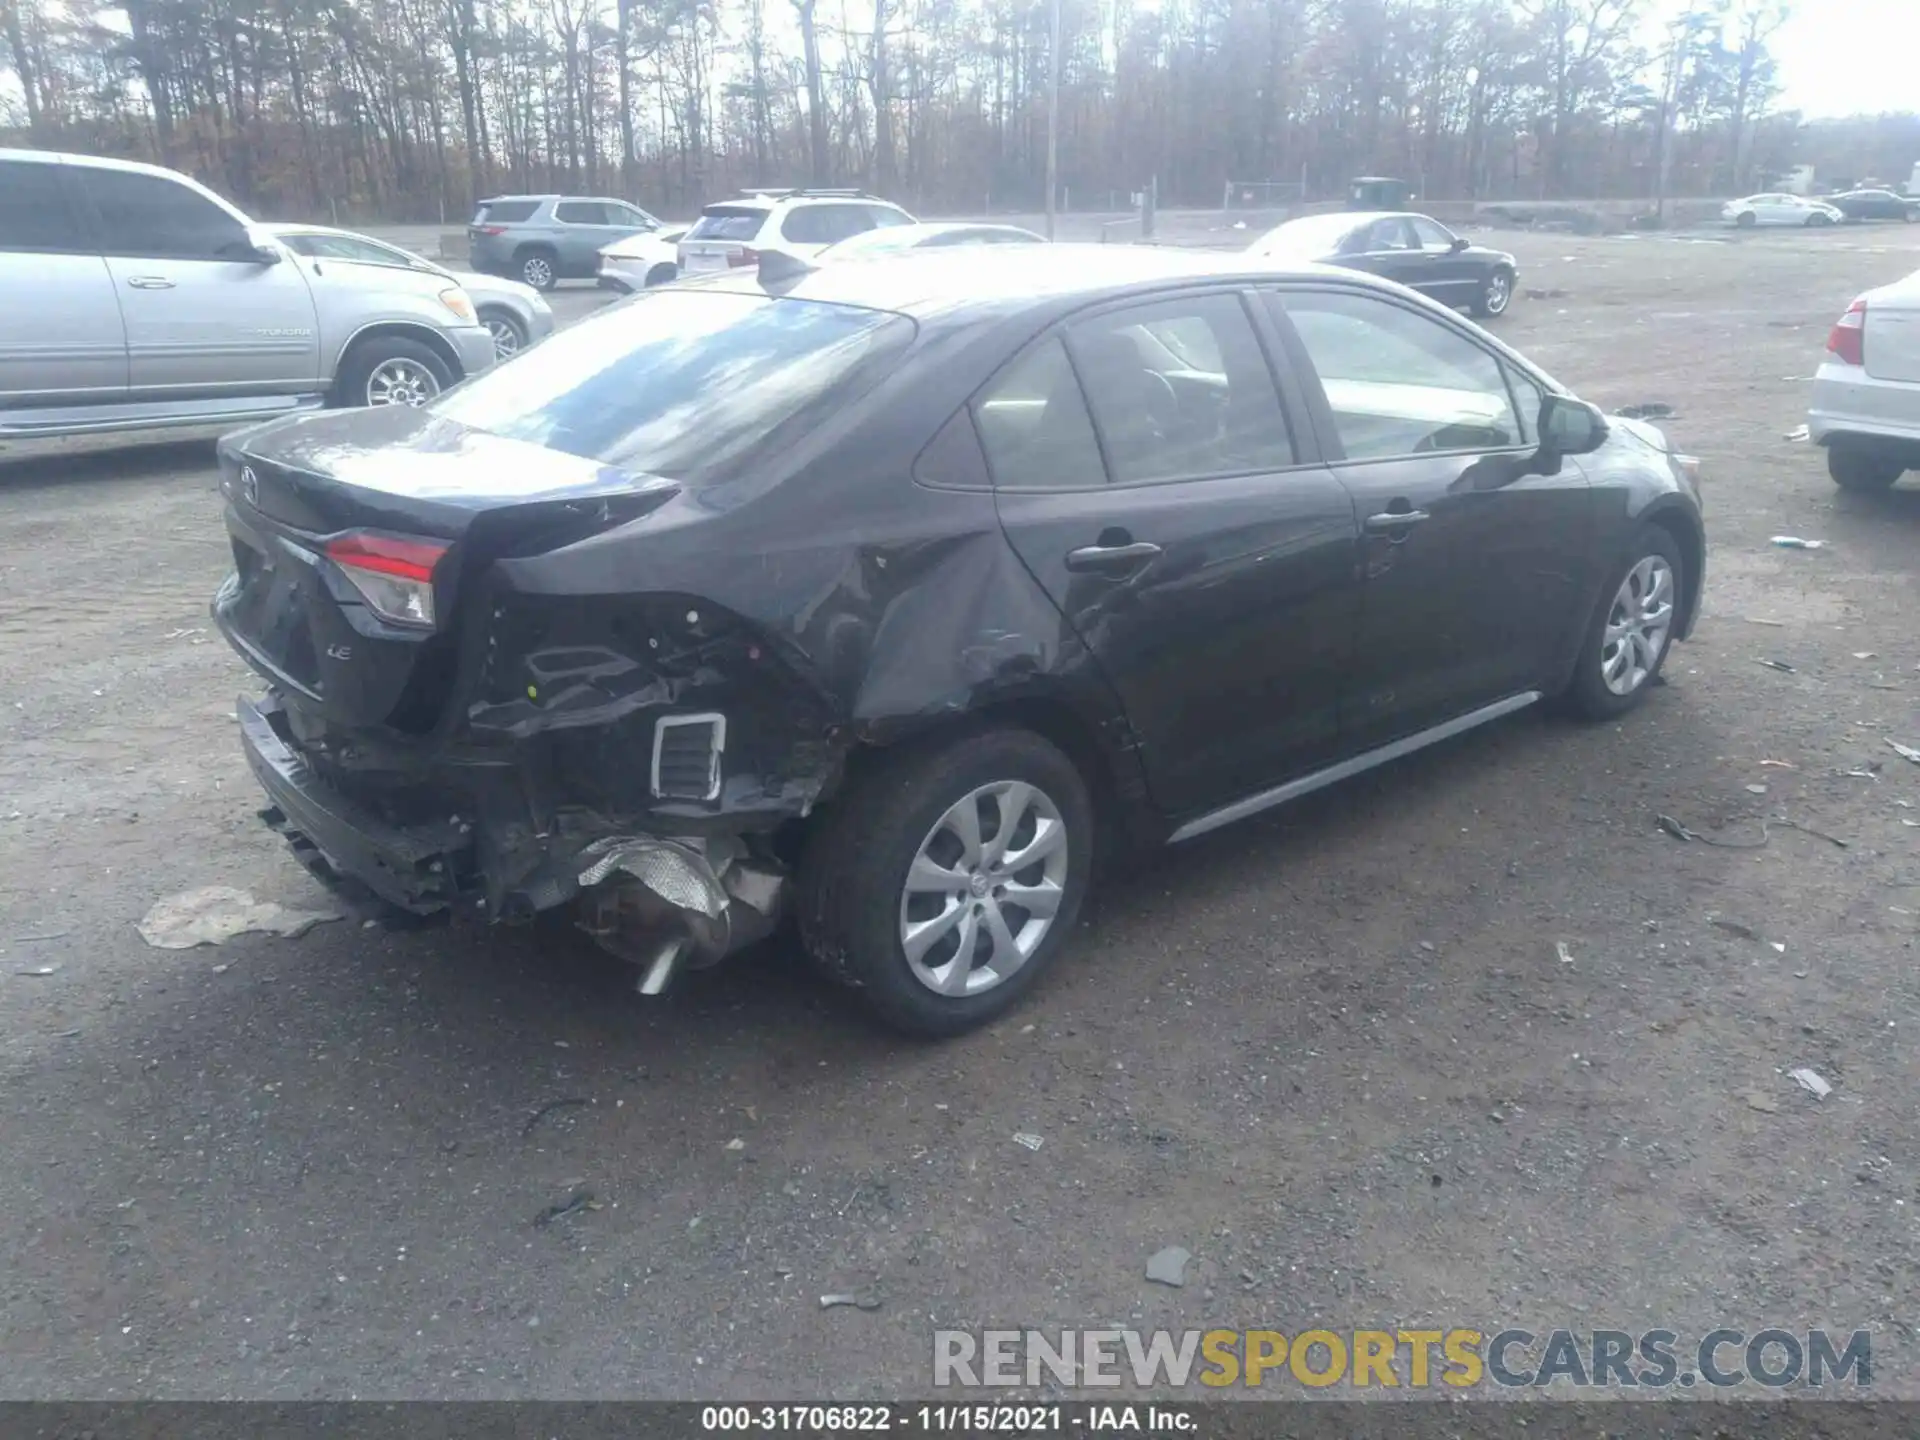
(1874, 205)
(868, 593)
(1415, 250)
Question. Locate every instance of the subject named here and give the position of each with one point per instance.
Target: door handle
(1390, 521)
(150, 282)
(1110, 558)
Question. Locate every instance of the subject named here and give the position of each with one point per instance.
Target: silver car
(1866, 393)
(544, 239)
(515, 315)
(137, 299)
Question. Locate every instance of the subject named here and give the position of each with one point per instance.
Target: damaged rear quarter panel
(832, 604)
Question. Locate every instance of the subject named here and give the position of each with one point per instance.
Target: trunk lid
(1891, 345)
(293, 486)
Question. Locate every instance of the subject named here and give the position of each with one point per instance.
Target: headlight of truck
(455, 299)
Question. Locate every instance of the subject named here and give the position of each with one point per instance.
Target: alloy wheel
(401, 381)
(506, 338)
(984, 888)
(537, 271)
(1637, 626)
(1499, 292)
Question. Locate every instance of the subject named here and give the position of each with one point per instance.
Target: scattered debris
(1756, 789)
(1779, 946)
(565, 1103)
(1734, 927)
(1680, 832)
(1780, 665)
(183, 634)
(1169, 1266)
(1865, 772)
(1651, 410)
(1810, 1080)
(1551, 294)
(40, 971)
(1756, 620)
(1799, 432)
(1032, 1142)
(1863, 654)
(1794, 542)
(45, 935)
(581, 1199)
(1905, 752)
(858, 1302)
(1560, 949)
(1809, 830)
(736, 1143)
(215, 913)
(1778, 765)
(1765, 1104)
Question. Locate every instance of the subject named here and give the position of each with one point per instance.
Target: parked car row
(1810, 211)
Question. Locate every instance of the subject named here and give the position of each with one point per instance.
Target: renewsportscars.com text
(1455, 1359)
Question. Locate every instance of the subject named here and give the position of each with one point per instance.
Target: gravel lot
(1333, 1052)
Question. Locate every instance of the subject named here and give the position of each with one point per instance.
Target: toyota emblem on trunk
(250, 484)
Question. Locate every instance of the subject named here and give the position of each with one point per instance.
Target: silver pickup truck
(137, 299)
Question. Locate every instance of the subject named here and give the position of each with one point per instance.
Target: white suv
(801, 223)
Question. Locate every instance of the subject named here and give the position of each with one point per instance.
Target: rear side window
(505, 212)
(580, 212)
(728, 222)
(885, 215)
(1034, 424)
(824, 224)
(1402, 383)
(150, 216)
(35, 216)
(689, 384)
(1181, 390)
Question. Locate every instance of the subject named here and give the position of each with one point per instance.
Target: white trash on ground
(215, 913)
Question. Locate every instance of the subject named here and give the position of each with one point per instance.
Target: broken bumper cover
(706, 896)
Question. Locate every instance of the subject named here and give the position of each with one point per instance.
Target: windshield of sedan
(690, 384)
(1307, 238)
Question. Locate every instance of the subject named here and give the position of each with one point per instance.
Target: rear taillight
(394, 575)
(1846, 341)
(746, 255)
(490, 229)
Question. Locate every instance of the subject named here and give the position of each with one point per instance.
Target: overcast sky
(1849, 57)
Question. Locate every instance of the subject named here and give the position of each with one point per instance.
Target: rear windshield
(505, 210)
(689, 384)
(728, 222)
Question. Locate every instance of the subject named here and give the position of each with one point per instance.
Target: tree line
(412, 109)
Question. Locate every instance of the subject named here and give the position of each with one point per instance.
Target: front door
(1146, 473)
(1450, 276)
(1470, 565)
(62, 341)
(204, 318)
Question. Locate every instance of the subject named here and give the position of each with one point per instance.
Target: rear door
(1470, 567)
(1147, 473)
(201, 317)
(61, 337)
(583, 227)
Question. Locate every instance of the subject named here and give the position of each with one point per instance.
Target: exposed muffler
(670, 905)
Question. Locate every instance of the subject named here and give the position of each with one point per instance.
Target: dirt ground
(1333, 1052)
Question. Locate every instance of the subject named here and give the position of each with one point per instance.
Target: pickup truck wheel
(1631, 630)
(1857, 469)
(392, 370)
(538, 268)
(947, 878)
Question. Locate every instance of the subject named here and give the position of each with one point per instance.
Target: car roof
(949, 280)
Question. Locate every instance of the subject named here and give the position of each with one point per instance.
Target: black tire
(1746, 220)
(1861, 470)
(1495, 296)
(1818, 219)
(854, 870)
(537, 266)
(366, 357)
(662, 275)
(1588, 695)
(504, 324)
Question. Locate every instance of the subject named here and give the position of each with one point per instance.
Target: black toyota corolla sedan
(1415, 250)
(866, 594)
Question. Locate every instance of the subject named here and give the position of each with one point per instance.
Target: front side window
(1431, 236)
(151, 216)
(1180, 390)
(824, 224)
(35, 216)
(686, 384)
(1390, 235)
(1400, 383)
(580, 212)
(1034, 425)
(884, 215)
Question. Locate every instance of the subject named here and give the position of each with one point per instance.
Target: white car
(1782, 209)
(515, 315)
(801, 223)
(1866, 393)
(637, 262)
(893, 239)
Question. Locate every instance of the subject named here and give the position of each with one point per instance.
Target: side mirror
(1568, 427)
(264, 254)
(1460, 243)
